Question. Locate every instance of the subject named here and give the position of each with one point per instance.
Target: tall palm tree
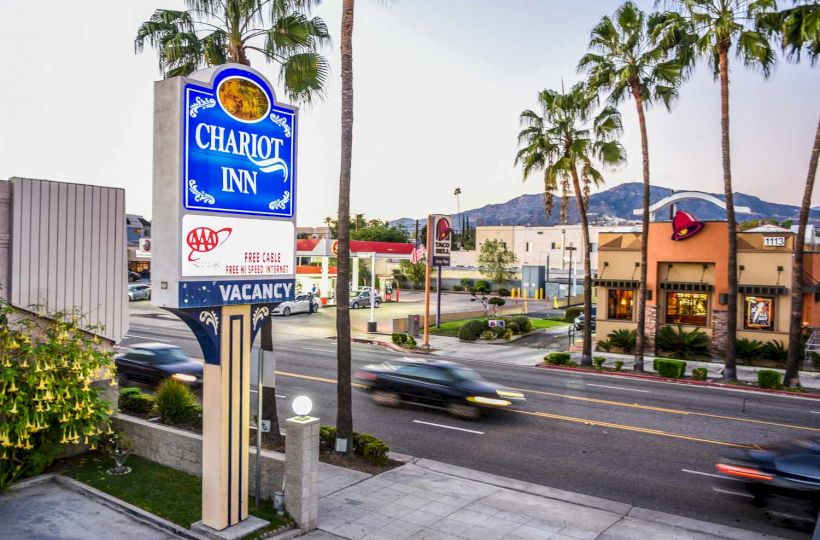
(625, 63)
(714, 28)
(457, 194)
(344, 404)
(798, 32)
(562, 141)
(213, 32)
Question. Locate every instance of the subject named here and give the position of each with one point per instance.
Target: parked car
(783, 480)
(303, 303)
(579, 320)
(362, 299)
(151, 363)
(459, 390)
(133, 276)
(145, 274)
(139, 292)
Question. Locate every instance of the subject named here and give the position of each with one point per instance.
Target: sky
(438, 88)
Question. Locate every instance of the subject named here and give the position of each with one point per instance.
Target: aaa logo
(205, 239)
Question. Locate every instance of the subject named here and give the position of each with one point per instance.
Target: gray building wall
(5, 236)
(68, 251)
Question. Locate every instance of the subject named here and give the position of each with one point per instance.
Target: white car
(303, 303)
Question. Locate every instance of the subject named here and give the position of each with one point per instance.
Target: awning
(766, 290)
(686, 287)
(617, 283)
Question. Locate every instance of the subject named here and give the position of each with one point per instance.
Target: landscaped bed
(168, 493)
(450, 328)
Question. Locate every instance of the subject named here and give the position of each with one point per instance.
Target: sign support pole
(430, 251)
(438, 296)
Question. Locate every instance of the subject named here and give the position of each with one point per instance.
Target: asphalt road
(648, 444)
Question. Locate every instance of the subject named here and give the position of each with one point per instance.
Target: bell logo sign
(684, 225)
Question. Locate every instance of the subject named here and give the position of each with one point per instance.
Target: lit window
(759, 313)
(686, 308)
(620, 304)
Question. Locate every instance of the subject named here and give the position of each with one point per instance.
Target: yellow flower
(24, 363)
(13, 408)
(13, 387)
(28, 445)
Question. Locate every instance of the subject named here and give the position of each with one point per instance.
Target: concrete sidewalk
(432, 500)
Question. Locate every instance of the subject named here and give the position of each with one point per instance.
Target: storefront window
(686, 308)
(620, 304)
(759, 313)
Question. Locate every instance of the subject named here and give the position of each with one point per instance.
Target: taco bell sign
(239, 148)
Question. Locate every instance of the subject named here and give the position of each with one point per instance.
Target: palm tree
(625, 63)
(562, 141)
(457, 194)
(344, 406)
(798, 31)
(713, 28)
(214, 32)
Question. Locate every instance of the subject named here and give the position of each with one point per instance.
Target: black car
(133, 276)
(459, 390)
(783, 480)
(579, 320)
(151, 363)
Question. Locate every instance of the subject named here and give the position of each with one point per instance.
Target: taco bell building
(687, 281)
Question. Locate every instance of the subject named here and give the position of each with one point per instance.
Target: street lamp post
(371, 324)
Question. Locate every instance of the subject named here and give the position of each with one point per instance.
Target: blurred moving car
(151, 363)
(459, 390)
(362, 299)
(783, 480)
(579, 320)
(303, 303)
(139, 292)
(133, 276)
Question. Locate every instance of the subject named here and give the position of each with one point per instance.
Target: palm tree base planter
(811, 394)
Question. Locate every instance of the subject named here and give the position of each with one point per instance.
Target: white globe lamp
(302, 406)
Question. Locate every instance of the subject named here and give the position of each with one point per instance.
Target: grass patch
(450, 328)
(163, 491)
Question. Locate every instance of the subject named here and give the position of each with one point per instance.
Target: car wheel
(460, 410)
(314, 309)
(388, 399)
(376, 304)
(355, 305)
(286, 312)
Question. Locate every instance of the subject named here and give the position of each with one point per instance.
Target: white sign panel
(216, 246)
(774, 241)
(144, 249)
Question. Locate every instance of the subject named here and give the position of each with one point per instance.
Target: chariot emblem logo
(205, 239)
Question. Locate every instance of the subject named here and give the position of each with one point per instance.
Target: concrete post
(355, 268)
(324, 284)
(301, 466)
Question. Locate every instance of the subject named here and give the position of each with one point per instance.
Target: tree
(380, 231)
(415, 272)
(344, 403)
(625, 63)
(457, 193)
(496, 262)
(798, 31)
(214, 32)
(711, 29)
(562, 141)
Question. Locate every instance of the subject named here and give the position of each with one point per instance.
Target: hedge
(572, 313)
(558, 358)
(524, 323)
(667, 367)
(768, 378)
(700, 374)
(471, 330)
(133, 400)
(369, 447)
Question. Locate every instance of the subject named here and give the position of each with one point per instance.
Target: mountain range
(614, 206)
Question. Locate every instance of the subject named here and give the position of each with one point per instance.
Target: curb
(807, 395)
(388, 345)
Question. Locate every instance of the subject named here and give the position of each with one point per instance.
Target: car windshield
(467, 374)
(356, 294)
(169, 356)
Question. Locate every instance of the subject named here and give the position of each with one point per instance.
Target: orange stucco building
(687, 281)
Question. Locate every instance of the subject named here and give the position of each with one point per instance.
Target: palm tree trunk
(586, 352)
(641, 330)
(792, 377)
(730, 369)
(344, 408)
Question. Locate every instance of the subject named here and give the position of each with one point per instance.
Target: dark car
(133, 276)
(783, 480)
(459, 390)
(151, 363)
(145, 274)
(579, 320)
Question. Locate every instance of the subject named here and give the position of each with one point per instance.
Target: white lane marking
(147, 337)
(619, 388)
(815, 412)
(707, 474)
(736, 493)
(314, 349)
(449, 427)
(277, 395)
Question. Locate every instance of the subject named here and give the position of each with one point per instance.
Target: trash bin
(413, 323)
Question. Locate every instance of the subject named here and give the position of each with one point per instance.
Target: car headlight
(509, 395)
(184, 377)
(489, 401)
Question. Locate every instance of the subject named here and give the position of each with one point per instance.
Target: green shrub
(572, 313)
(748, 349)
(524, 323)
(680, 343)
(399, 339)
(513, 327)
(133, 400)
(498, 331)
(482, 286)
(410, 342)
(458, 288)
(502, 291)
(700, 374)
(623, 339)
(369, 447)
(604, 345)
(507, 335)
(619, 365)
(667, 367)
(471, 330)
(774, 350)
(496, 301)
(598, 361)
(558, 359)
(176, 404)
(467, 283)
(768, 378)
(488, 335)
(327, 437)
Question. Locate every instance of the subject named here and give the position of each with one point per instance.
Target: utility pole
(427, 282)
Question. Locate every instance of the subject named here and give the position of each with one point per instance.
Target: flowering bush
(46, 396)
